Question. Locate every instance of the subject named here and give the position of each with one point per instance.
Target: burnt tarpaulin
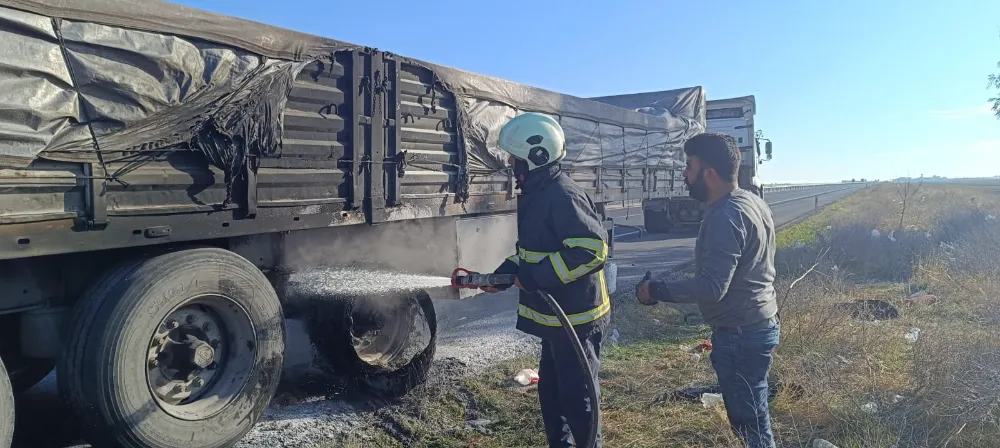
(680, 103)
(37, 99)
(597, 133)
(91, 80)
(107, 89)
(100, 93)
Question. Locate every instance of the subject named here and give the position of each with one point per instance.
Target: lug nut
(172, 324)
(197, 382)
(207, 327)
(153, 363)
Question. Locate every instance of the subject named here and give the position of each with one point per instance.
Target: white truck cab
(734, 117)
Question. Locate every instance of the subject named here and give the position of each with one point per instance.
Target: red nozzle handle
(460, 272)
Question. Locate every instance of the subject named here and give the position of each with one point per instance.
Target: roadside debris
(709, 400)
(704, 346)
(912, 335)
(871, 407)
(820, 443)
(526, 377)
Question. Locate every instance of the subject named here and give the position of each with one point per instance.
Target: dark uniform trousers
(562, 390)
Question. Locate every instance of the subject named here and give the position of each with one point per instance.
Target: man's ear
(712, 175)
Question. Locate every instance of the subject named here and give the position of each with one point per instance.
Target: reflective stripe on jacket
(561, 250)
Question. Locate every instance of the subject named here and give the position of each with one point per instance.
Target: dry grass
(865, 384)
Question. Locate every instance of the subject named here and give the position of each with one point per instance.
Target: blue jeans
(562, 390)
(741, 360)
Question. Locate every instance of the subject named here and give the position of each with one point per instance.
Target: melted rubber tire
(332, 344)
(657, 221)
(6, 409)
(102, 375)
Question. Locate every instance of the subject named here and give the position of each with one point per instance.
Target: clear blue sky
(849, 88)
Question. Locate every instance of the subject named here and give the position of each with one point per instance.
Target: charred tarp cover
(98, 80)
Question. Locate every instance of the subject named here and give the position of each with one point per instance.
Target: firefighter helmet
(535, 138)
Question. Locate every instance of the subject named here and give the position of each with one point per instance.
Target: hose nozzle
(465, 279)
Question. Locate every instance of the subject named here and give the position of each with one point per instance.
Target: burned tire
(183, 349)
(6, 409)
(657, 221)
(385, 344)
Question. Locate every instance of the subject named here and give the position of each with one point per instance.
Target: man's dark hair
(717, 151)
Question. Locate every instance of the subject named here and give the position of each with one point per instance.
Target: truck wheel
(657, 221)
(182, 349)
(6, 409)
(385, 343)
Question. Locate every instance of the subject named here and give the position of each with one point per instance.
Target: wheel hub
(184, 355)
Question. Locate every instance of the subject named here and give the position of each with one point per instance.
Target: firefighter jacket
(561, 250)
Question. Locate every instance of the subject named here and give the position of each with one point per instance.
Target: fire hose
(465, 279)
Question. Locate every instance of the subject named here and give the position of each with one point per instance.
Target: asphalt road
(465, 322)
(475, 330)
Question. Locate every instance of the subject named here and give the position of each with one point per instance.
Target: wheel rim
(200, 356)
(387, 337)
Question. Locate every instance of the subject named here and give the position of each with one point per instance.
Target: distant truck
(731, 116)
(165, 172)
(734, 117)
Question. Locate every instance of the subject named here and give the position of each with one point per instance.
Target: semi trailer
(167, 172)
(730, 116)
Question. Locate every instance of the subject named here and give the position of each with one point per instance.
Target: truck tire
(385, 344)
(657, 221)
(6, 409)
(181, 349)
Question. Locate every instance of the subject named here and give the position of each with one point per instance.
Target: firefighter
(561, 250)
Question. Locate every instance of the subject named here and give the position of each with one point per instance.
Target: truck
(731, 116)
(734, 117)
(169, 177)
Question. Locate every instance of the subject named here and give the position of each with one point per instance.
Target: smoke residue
(426, 246)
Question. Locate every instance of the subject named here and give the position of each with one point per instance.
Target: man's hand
(518, 283)
(642, 290)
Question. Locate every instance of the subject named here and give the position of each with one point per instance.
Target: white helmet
(535, 138)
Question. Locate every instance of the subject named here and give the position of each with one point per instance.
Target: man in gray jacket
(733, 283)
